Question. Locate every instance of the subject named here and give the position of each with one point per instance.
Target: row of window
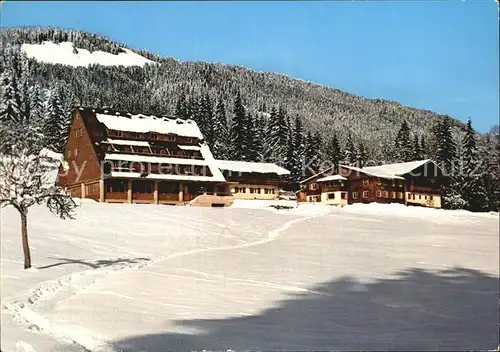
(365, 182)
(379, 194)
(164, 169)
(154, 150)
(151, 136)
(343, 195)
(412, 197)
(254, 190)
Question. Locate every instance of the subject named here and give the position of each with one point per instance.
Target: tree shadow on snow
(453, 309)
(93, 264)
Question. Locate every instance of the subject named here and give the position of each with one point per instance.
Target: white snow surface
(143, 124)
(246, 166)
(397, 168)
(62, 53)
(126, 277)
(127, 142)
(332, 178)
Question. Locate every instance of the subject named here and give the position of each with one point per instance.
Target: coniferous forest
(243, 114)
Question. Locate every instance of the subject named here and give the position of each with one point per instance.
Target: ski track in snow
(81, 281)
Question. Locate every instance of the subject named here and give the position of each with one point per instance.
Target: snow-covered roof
(376, 173)
(246, 166)
(389, 171)
(332, 178)
(397, 168)
(143, 124)
(122, 174)
(154, 159)
(63, 53)
(189, 147)
(127, 142)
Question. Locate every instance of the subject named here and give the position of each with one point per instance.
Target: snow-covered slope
(125, 277)
(63, 53)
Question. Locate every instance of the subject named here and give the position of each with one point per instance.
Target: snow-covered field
(64, 54)
(124, 277)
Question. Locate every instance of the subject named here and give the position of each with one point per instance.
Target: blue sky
(440, 55)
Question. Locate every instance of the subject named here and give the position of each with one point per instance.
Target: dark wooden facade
(420, 187)
(91, 175)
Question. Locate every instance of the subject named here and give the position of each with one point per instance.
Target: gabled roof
(388, 171)
(125, 121)
(246, 166)
(397, 168)
(332, 178)
(376, 173)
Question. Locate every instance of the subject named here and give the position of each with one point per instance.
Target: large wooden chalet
(410, 183)
(116, 156)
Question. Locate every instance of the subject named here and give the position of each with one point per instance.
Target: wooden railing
(188, 197)
(142, 196)
(116, 195)
(168, 196)
(422, 189)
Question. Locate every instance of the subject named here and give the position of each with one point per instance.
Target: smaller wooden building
(252, 180)
(411, 183)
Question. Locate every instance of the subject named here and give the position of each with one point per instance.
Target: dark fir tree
(447, 160)
(350, 151)
(239, 127)
(403, 144)
(311, 155)
(472, 188)
(332, 151)
(361, 155)
(418, 153)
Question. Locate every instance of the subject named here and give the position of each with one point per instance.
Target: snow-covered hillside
(123, 277)
(63, 53)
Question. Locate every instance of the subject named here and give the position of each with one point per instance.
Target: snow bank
(245, 166)
(63, 53)
(143, 124)
(288, 206)
(402, 210)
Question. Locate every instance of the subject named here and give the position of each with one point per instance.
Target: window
(431, 197)
(239, 190)
(366, 194)
(268, 191)
(366, 182)
(313, 186)
(92, 189)
(170, 137)
(413, 196)
(253, 190)
(419, 196)
(343, 195)
(379, 194)
(116, 186)
(355, 195)
(386, 194)
(331, 195)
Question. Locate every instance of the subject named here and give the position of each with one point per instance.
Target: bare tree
(24, 182)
